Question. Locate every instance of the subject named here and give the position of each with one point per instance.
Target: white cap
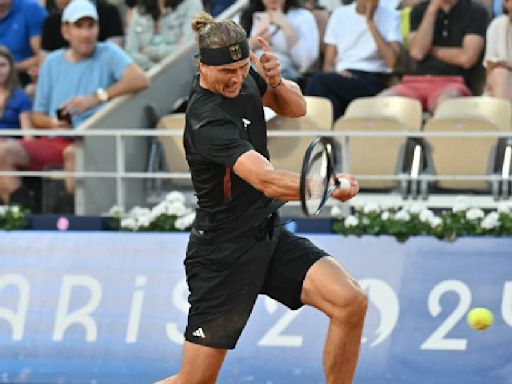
(78, 9)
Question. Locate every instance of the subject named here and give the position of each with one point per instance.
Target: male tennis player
(237, 248)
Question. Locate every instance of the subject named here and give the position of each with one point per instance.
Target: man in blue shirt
(21, 22)
(73, 84)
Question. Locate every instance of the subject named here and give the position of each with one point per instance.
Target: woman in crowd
(157, 27)
(15, 105)
(498, 55)
(290, 29)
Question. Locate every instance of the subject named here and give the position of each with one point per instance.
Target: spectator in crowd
(290, 29)
(321, 17)
(110, 25)
(216, 7)
(20, 32)
(498, 55)
(158, 27)
(362, 45)
(494, 7)
(73, 84)
(129, 4)
(15, 105)
(446, 43)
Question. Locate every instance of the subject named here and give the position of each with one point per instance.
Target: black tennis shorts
(225, 278)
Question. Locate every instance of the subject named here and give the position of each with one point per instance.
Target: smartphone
(64, 116)
(260, 23)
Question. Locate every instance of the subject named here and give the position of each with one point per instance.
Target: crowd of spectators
(339, 49)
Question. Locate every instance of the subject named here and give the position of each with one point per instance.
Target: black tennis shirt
(450, 29)
(218, 130)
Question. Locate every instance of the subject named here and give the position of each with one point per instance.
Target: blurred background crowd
(61, 61)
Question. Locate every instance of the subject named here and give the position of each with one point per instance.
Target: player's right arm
(277, 183)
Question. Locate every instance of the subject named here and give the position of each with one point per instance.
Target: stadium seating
(173, 150)
(377, 155)
(288, 152)
(468, 156)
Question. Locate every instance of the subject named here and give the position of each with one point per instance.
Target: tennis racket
(318, 178)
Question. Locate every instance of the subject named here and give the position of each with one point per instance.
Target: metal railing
(120, 174)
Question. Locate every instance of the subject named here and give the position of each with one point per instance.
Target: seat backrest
(378, 155)
(174, 152)
(466, 156)
(288, 152)
(497, 111)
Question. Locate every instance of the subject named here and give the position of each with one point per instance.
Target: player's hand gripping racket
(317, 178)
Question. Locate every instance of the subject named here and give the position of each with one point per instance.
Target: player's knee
(351, 310)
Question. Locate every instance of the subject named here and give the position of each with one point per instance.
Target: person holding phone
(73, 84)
(290, 29)
(498, 55)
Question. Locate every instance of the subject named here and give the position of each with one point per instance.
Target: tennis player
(237, 248)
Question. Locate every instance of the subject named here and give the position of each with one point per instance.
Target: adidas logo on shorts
(199, 333)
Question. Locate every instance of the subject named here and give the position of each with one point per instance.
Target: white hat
(78, 9)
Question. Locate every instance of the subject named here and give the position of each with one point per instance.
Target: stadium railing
(122, 174)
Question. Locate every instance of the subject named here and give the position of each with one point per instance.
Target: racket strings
(316, 179)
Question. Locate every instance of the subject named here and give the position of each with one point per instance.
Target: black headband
(224, 55)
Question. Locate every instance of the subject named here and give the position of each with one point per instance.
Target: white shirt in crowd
(305, 52)
(499, 40)
(356, 48)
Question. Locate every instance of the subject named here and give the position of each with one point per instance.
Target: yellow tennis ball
(480, 318)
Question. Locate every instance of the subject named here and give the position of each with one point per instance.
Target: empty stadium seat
(378, 155)
(467, 156)
(173, 150)
(288, 152)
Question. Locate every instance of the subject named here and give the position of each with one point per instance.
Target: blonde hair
(211, 33)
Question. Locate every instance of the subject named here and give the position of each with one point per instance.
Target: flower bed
(13, 217)
(415, 219)
(171, 214)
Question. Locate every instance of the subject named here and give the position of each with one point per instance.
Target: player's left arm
(283, 96)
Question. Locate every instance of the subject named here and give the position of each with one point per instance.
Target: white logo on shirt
(246, 122)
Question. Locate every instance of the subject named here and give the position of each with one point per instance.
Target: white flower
(461, 203)
(159, 209)
(336, 211)
(504, 207)
(426, 215)
(491, 221)
(416, 208)
(474, 214)
(385, 216)
(402, 215)
(185, 221)
(435, 221)
(115, 211)
(14, 210)
(3, 210)
(175, 197)
(176, 208)
(388, 205)
(371, 207)
(138, 211)
(351, 221)
(144, 220)
(129, 223)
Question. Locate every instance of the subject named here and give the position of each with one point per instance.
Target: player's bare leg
(332, 290)
(200, 365)
(169, 380)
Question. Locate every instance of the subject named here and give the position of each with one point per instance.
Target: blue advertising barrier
(109, 308)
